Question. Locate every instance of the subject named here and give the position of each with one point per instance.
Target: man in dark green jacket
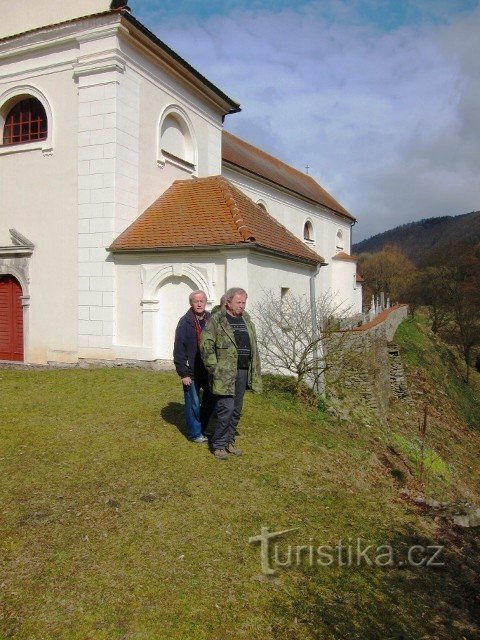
(230, 354)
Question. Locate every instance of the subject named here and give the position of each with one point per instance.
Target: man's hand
(187, 381)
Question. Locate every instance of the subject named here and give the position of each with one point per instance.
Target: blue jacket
(186, 354)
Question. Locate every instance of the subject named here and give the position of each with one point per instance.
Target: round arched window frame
(11, 103)
(187, 159)
(308, 232)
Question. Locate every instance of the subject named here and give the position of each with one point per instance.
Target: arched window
(308, 231)
(339, 240)
(262, 205)
(176, 139)
(173, 137)
(26, 121)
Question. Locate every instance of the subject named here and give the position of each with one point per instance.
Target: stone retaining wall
(377, 370)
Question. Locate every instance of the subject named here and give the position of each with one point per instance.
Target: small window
(308, 231)
(25, 122)
(339, 240)
(262, 205)
(285, 308)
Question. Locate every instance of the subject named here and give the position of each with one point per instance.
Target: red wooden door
(11, 319)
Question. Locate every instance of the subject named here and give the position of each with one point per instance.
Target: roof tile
(344, 256)
(209, 212)
(244, 155)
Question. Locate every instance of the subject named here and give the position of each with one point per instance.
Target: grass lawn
(113, 526)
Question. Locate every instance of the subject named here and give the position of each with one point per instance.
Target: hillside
(114, 527)
(418, 240)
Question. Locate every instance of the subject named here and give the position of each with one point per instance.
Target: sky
(380, 98)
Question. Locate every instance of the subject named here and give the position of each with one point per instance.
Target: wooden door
(11, 319)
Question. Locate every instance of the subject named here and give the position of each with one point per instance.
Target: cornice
(98, 63)
(20, 246)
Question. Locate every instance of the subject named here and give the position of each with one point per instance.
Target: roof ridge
(244, 231)
(241, 154)
(274, 158)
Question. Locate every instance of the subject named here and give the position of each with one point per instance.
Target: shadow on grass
(174, 413)
(400, 602)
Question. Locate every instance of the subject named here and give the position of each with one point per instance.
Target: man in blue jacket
(190, 368)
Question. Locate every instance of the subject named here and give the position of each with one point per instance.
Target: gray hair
(235, 291)
(195, 293)
(223, 299)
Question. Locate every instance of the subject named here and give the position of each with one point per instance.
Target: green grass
(422, 349)
(428, 458)
(113, 526)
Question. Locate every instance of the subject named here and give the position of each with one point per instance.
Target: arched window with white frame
(26, 121)
(176, 141)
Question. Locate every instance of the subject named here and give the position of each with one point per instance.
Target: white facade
(331, 234)
(124, 122)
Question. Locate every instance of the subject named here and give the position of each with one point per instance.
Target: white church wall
(152, 295)
(358, 297)
(38, 186)
(292, 212)
(108, 165)
(344, 286)
(274, 274)
(162, 96)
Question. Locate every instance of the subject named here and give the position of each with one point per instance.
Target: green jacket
(219, 355)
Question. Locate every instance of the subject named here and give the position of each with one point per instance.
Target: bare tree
(388, 271)
(290, 343)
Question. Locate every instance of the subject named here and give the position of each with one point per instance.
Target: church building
(121, 192)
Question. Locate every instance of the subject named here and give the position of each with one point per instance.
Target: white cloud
(387, 120)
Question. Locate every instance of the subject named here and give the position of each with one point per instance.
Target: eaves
(251, 246)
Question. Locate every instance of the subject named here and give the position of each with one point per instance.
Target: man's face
(236, 305)
(198, 303)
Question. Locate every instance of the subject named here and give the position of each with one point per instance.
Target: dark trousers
(229, 409)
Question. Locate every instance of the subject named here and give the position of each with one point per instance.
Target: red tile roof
(344, 256)
(244, 155)
(383, 315)
(209, 212)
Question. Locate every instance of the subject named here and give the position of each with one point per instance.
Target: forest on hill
(421, 241)
(435, 264)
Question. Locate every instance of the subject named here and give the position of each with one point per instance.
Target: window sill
(46, 149)
(170, 158)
